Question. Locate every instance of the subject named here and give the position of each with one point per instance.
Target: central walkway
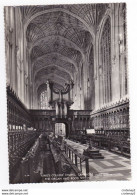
(46, 164)
(112, 167)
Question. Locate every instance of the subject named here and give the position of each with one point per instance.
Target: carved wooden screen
(106, 60)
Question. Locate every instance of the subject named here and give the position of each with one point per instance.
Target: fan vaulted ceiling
(57, 37)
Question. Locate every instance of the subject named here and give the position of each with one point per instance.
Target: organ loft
(67, 93)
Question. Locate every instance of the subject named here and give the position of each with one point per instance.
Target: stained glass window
(44, 100)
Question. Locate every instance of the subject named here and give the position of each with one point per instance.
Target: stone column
(116, 66)
(96, 75)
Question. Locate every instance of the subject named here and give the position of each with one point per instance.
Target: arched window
(106, 61)
(43, 97)
(44, 100)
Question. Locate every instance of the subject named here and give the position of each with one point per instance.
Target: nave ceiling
(57, 39)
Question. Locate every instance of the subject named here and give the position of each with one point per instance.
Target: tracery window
(106, 60)
(44, 100)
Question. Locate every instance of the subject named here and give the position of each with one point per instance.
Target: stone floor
(112, 167)
(46, 164)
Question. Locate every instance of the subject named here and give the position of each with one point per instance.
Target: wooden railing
(79, 160)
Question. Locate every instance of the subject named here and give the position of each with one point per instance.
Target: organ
(63, 100)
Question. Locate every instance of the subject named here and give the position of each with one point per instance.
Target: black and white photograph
(67, 88)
